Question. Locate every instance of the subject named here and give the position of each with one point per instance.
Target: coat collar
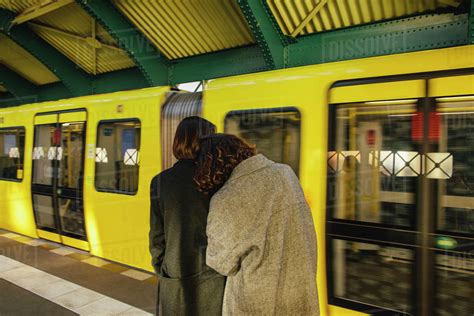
(250, 165)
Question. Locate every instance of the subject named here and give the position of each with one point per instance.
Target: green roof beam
(7, 99)
(75, 79)
(230, 62)
(16, 84)
(471, 23)
(272, 42)
(385, 38)
(121, 80)
(149, 60)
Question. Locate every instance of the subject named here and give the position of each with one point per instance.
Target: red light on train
(370, 136)
(57, 137)
(434, 130)
(417, 127)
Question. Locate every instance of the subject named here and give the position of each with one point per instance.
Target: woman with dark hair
(260, 230)
(178, 231)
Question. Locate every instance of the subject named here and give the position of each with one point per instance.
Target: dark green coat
(178, 242)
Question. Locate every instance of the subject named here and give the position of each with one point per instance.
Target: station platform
(44, 278)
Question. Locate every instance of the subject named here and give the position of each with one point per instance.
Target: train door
(57, 178)
(400, 197)
(178, 107)
(450, 169)
(374, 167)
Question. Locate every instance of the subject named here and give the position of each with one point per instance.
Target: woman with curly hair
(260, 230)
(178, 239)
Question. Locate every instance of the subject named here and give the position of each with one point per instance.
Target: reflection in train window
(117, 156)
(372, 171)
(373, 274)
(276, 132)
(455, 279)
(12, 146)
(454, 164)
(45, 150)
(71, 159)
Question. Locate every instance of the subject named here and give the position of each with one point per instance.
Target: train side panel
(307, 89)
(16, 213)
(118, 223)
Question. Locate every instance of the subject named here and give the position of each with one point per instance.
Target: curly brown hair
(219, 155)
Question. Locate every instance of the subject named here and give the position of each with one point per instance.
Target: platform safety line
(71, 296)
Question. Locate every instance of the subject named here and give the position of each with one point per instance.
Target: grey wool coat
(261, 235)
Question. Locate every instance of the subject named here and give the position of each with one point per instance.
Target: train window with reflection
(374, 163)
(117, 156)
(275, 132)
(453, 165)
(363, 270)
(12, 147)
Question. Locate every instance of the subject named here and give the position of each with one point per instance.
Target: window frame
(132, 119)
(269, 111)
(22, 154)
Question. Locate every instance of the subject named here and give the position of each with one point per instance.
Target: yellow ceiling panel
(23, 63)
(88, 53)
(73, 19)
(181, 28)
(299, 17)
(75, 34)
(18, 5)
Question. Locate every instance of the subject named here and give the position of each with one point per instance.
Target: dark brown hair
(219, 155)
(188, 133)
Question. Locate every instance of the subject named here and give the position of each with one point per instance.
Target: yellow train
(383, 148)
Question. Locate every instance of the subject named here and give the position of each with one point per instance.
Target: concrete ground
(43, 278)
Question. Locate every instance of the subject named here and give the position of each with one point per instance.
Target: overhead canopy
(52, 49)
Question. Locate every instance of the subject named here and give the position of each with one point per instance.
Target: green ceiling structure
(272, 42)
(16, 84)
(471, 24)
(272, 50)
(153, 65)
(75, 80)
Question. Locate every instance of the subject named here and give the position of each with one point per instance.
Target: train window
(276, 132)
(453, 165)
(362, 269)
(117, 156)
(452, 168)
(45, 150)
(71, 164)
(373, 167)
(12, 146)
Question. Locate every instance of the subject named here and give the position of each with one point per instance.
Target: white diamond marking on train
(438, 165)
(14, 153)
(38, 153)
(131, 157)
(101, 155)
(383, 159)
(407, 164)
(334, 164)
(55, 153)
(336, 159)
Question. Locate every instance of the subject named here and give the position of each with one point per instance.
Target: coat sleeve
(231, 237)
(157, 234)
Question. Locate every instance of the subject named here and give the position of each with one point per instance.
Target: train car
(382, 146)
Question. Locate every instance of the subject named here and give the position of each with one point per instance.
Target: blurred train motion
(383, 147)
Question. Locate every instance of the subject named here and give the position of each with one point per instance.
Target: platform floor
(38, 277)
